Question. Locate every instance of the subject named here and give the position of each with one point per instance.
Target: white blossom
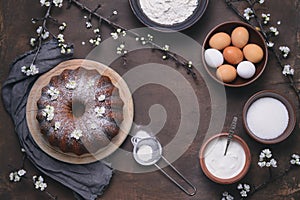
(274, 30)
(32, 41)
(287, 70)
(39, 30)
(62, 26)
(270, 44)
(100, 111)
(266, 159)
(119, 32)
(60, 38)
(58, 3)
(243, 193)
(88, 24)
(284, 50)
(248, 13)
(240, 186)
(63, 50)
(261, 1)
(101, 97)
(13, 176)
(31, 70)
(97, 30)
(77, 134)
(21, 172)
(115, 12)
(48, 112)
(91, 41)
(95, 41)
(273, 162)
(57, 126)
(16, 176)
(166, 47)
(121, 49)
(150, 37)
(295, 159)
(266, 18)
(227, 196)
(267, 153)
(247, 187)
(71, 85)
(45, 35)
(39, 183)
(45, 3)
(244, 189)
(53, 92)
(114, 35)
(262, 164)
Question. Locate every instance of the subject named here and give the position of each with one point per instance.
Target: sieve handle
(174, 181)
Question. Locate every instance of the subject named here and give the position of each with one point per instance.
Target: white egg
(213, 57)
(246, 69)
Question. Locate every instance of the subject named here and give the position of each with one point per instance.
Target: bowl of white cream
(229, 168)
(268, 117)
(168, 15)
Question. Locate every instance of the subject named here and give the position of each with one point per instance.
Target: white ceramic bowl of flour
(268, 117)
(165, 15)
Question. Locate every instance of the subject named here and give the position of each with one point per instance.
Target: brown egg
(226, 73)
(253, 53)
(240, 37)
(219, 41)
(233, 55)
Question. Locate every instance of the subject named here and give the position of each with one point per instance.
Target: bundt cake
(80, 111)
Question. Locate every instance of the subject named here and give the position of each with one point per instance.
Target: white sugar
(145, 153)
(267, 118)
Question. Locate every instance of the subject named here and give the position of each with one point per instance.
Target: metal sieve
(148, 151)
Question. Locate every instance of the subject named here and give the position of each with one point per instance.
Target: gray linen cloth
(87, 180)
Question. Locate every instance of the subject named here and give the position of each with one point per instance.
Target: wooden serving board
(41, 140)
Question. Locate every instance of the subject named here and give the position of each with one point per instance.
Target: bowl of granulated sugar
(268, 117)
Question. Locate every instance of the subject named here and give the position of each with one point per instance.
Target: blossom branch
(235, 10)
(18, 175)
(266, 36)
(265, 160)
(270, 180)
(183, 63)
(32, 69)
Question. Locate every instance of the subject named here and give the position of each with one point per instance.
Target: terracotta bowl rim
(229, 180)
(289, 106)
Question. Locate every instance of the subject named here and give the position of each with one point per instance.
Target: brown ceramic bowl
(289, 107)
(235, 178)
(254, 37)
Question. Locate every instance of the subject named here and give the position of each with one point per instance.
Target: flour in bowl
(168, 12)
(267, 118)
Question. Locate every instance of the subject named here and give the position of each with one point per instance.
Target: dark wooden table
(16, 29)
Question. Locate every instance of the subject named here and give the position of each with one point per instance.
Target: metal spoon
(230, 134)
